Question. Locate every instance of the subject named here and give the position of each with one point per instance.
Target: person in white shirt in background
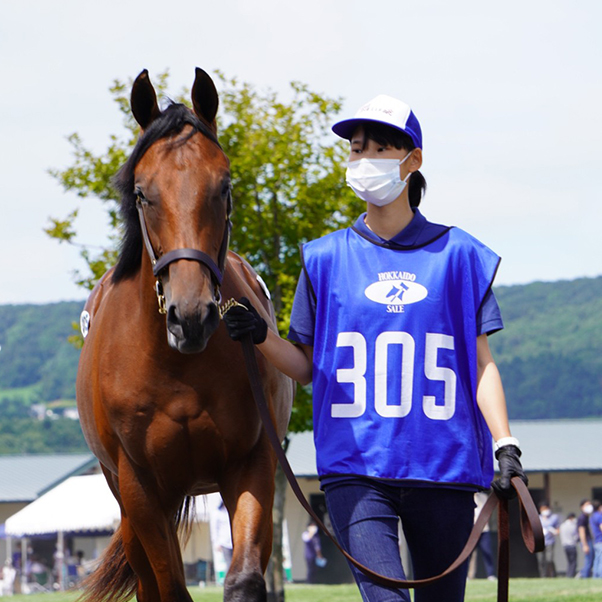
(550, 524)
(569, 539)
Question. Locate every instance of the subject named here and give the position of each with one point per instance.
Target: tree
(288, 187)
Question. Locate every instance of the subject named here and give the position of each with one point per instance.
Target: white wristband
(506, 441)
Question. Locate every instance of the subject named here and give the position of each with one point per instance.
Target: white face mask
(376, 181)
(546, 513)
(588, 509)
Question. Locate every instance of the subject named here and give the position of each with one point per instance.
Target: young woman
(390, 323)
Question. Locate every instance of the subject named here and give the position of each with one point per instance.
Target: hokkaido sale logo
(396, 289)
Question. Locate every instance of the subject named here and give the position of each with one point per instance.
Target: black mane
(171, 122)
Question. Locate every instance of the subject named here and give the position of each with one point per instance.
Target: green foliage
(12, 407)
(550, 351)
(30, 436)
(287, 176)
(35, 351)
(37, 365)
(288, 179)
(25, 396)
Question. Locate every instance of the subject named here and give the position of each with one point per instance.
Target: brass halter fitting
(227, 306)
(160, 297)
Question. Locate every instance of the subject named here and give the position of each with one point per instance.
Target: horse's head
(176, 203)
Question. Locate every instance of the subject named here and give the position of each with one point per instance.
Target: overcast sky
(509, 96)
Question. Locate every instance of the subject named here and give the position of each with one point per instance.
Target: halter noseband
(160, 263)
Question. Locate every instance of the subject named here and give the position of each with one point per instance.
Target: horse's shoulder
(95, 299)
(250, 278)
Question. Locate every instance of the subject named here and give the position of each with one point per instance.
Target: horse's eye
(226, 186)
(140, 196)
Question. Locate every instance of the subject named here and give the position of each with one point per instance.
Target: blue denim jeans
(436, 523)
(598, 561)
(588, 561)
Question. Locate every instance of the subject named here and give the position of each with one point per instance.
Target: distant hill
(549, 354)
(37, 379)
(36, 357)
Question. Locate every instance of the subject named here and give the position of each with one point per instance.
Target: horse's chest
(180, 422)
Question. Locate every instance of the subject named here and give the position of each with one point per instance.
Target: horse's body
(165, 421)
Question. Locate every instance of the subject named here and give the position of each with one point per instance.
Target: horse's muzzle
(189, 332)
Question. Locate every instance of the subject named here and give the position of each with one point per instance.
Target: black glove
(510, 466)
(240, 321)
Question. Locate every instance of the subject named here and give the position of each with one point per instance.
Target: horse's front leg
(249, 496)
(136, 556)
(152, 537)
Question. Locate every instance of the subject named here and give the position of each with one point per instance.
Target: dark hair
(388, 136)
(571, 515)
(596, 504)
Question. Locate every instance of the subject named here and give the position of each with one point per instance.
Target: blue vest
(395, 366)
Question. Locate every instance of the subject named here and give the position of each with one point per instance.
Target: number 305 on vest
(400, 407)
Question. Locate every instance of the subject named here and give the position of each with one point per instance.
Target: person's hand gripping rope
(510, 466)
(242, 319)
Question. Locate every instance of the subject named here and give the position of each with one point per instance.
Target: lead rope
(530, 524)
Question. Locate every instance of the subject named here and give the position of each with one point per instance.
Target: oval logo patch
(396, 292)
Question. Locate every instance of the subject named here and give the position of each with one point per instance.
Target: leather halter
(160, 263)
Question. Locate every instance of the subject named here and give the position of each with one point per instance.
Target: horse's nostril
(189, 329)
(212, 313)
(172, 315)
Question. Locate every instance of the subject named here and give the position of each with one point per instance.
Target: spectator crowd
(583, 531)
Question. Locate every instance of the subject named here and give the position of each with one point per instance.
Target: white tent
(83, 503)
(80, 504)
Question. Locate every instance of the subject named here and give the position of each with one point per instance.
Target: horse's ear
(204, 98)
(144, 101)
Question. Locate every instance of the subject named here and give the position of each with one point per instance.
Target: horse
(164, 400)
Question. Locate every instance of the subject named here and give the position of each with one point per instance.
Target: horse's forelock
(171, 121)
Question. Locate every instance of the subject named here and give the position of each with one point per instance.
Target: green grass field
(521, 590)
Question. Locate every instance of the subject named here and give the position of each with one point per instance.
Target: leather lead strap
(503, 551)
(530, 523)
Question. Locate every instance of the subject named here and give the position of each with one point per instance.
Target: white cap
(383, 109)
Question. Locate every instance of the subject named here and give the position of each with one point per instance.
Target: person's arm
(583, 539)
(490, 392)
(492, 403)
(295, 361)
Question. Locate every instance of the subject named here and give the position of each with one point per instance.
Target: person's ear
(415, 161)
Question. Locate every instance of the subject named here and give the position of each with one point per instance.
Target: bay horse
(164, 400)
